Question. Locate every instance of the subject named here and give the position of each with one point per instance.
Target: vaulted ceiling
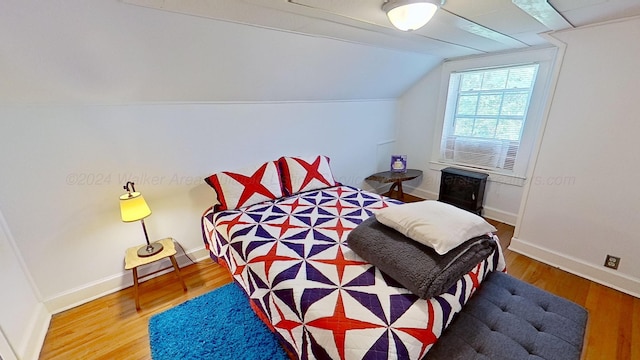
(461, 27)
(120, 51)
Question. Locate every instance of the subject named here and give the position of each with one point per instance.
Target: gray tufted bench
(510, 319)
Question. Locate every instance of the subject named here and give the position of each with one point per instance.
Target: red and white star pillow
(247, 186)
(305, 174)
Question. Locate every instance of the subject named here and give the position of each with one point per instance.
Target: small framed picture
(398, 163)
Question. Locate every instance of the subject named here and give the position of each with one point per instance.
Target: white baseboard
(35, 333)
(499, 215)
(422, 193)
(595, 273)
(111, 284)
(6, 351)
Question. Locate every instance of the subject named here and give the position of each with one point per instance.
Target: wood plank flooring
(110, 327)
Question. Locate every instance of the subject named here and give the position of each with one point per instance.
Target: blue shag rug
(217, 325)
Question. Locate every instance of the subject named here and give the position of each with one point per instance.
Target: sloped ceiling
(459, 28)
(120, 51)
(106, 52)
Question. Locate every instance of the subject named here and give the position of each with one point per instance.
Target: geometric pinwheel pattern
(323, 301)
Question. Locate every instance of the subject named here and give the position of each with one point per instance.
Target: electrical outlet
(612, 262)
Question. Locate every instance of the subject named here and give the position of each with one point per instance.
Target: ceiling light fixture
(411, 14)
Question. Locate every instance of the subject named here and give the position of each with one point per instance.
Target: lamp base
(150, 250)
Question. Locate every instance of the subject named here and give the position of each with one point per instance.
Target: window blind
(485, 116)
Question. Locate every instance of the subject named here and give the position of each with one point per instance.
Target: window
(492, 111)
(488, 115)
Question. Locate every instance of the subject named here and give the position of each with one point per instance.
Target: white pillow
(434, 223)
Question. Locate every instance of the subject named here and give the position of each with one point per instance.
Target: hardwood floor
(110, 327)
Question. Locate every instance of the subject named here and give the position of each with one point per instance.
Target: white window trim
(545, 58)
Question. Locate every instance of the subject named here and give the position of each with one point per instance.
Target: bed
(290, 255)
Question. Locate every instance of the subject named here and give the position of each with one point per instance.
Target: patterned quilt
(323, 301)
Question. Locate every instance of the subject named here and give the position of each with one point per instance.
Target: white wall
(583, 203)
(107, 51)
(64, 168)
(23, 318)
(417, 123)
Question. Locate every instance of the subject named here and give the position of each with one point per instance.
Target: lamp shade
(133, 207)
(410, 14)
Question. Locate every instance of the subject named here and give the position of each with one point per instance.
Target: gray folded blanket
(414, 265)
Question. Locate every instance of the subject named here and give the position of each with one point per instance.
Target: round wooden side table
(396, 178)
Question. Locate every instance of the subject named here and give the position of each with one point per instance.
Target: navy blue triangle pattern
(324, 301)
(402, 303)
(319, 248)
(287, 297)
(366, 278)
(289, 273)
(379, 348)
(401, 348)
(312, 295)
(370, 302)
(315, 275)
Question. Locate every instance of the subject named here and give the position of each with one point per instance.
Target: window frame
(545, 58)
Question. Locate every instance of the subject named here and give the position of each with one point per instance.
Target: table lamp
(134, 208)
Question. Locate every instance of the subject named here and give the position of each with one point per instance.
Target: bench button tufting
(521, 309)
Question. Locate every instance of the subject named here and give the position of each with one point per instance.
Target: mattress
(291, 258)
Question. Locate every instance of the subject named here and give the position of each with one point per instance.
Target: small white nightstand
(132, 261)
